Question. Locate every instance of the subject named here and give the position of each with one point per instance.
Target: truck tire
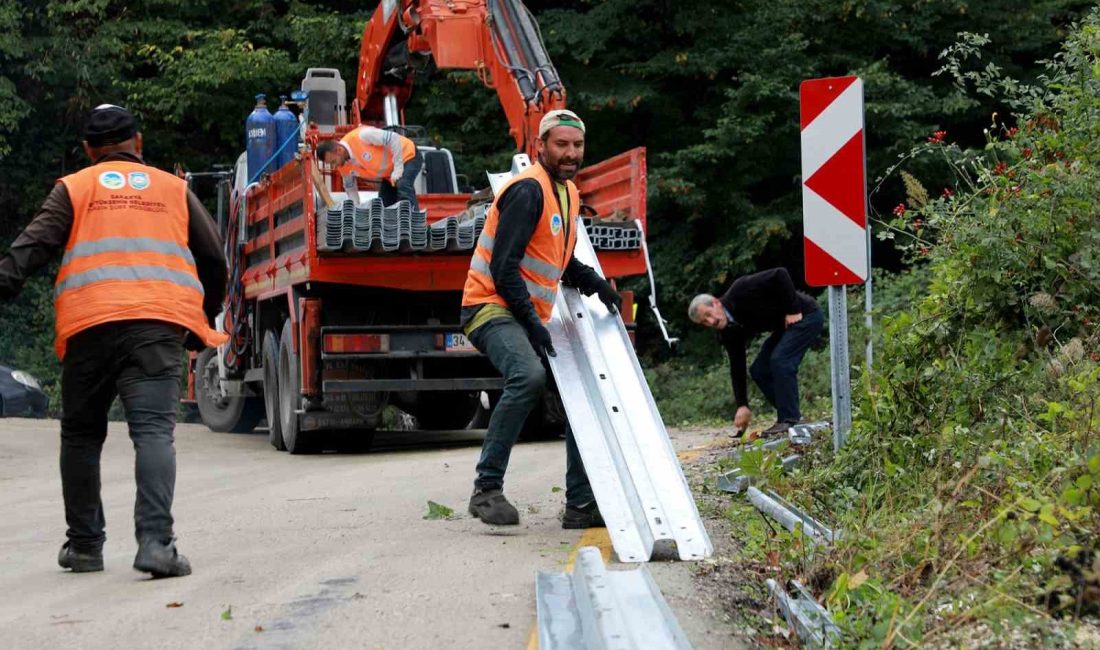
(223, 414)
(290, 390)
(270, 360)
(448, 411)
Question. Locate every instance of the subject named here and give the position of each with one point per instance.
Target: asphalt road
(328, 551)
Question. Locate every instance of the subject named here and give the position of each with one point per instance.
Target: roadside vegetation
(708, 86)
(968, 494)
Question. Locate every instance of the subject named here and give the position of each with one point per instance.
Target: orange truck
(323, 340)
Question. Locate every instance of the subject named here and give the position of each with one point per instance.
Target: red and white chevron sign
(834, 190)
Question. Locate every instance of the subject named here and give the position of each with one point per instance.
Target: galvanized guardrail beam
(800, 435)
(635, 473)
(790, 516)
(811, 622)
(736, 481)
(597, 609)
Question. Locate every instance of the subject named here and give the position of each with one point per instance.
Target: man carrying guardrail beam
(523, 253)
(764, 302)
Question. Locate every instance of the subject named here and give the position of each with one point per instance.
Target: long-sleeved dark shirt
(48, 233)
(758, 303)
(520, 209)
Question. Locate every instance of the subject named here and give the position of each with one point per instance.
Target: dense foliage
(709, 86)
(969, 492)
(970, 488)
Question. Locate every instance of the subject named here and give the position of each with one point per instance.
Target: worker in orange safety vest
(377, 155)
(143, 271)
(523, 253)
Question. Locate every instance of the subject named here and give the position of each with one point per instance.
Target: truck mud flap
(635, 474)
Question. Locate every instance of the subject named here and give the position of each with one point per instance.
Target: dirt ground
(731, 583)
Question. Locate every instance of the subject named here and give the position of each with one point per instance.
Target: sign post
(834, 209)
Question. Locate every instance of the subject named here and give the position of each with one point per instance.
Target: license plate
(458, 343)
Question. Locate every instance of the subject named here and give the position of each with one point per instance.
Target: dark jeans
(140, 362)
(406, 189)
(505, 342)
(775, 369)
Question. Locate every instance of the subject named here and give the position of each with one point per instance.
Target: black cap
(109, 124)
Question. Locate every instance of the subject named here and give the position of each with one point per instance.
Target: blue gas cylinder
(259, 139)
(286, 128)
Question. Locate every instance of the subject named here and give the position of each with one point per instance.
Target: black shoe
(79, 562)
(587, 516)
(491, 507)
(160, 559)
(779, 427)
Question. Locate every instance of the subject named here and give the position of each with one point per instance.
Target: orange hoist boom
(499, 39)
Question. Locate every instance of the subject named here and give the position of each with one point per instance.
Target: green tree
(709, 86)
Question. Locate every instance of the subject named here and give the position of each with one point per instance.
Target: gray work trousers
(140, 362)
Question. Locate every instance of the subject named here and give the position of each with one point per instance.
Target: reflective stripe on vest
(128, 273)
(535, 289)
(549, 271)
(372, 161)
(128, 245)
(545, 257)
(127, 257)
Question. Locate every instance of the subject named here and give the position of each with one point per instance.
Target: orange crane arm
(499, 39)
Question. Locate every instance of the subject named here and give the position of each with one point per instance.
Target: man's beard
(556, 170)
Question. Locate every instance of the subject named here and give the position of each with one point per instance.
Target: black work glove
(609, 297)
(540, 340)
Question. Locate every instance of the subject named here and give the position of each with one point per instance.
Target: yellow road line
(597, 537)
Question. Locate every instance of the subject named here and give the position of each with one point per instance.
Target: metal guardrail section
(384, 229)
(810, 621)
(790, 516)
(735, 482)
(799, 435)
(597, 609)
(635, 474)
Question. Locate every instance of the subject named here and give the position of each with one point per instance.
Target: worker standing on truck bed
(378, 155)
(757, 303)
(525, 249)
(143, 268)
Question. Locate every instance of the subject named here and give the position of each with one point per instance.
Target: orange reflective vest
(373, 161)
(546, 256)
(127, 255)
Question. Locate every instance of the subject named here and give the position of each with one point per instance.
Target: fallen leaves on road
(174, 604)
(555, 489)
(227, 615)
(259, 628)
(438, 511)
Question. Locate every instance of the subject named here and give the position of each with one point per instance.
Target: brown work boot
(780, 427)
(491, 507)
